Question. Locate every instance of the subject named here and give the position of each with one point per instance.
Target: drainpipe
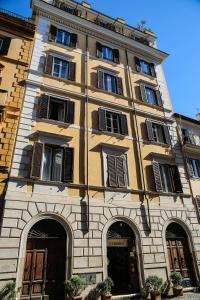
(138, 142)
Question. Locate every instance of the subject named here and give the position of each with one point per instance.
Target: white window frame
(63, 37)
(152, 88)
(60, 68)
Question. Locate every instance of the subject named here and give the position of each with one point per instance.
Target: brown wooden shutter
(121, 171)
(102, 119)
(116, 56)
(123, 123)
(69, 112)
(143, 92)
(49, 64)
(176, 179)
(190, 168)
(197, 200)
(5, 46)
(68, 162)
(119, 86)
(52, 33)
(43, 106)
(137, 64)
(159, 98)
(149, 130)
(111, 167)
(36, 163)
(152, 68)
(157, 177)
(72, 71)
(100, 80)
(167, 135)
(99, 49)
(73, 40)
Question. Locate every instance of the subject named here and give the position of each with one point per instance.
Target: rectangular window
(166, 178)
(151, 96)
(63, 37)
(110, 83)
(188, 136)
(112, 122)
(145, 67)
(158, 133)
(52, 163)
(60, 68)
(194, 165)
(56, 110)
(117, 171)
(107, 53)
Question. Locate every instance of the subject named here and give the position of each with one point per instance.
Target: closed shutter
(102, 119)
(157, 177)
(159, 98)
(190, 167)
(68, 162)
(152, 68)
(52, 33)
(111, 166)
(36, 160)
(116, 56)
(149, 130)
(49, 64)
(73, 40)
(119, 86)
(72, 71)
(124, 126)
(143, 92)
(198, 205)
(176, 179)
(137, 64)
(5, 47)
(167, 135)
(69, 112)
(43, 106)
(100, 80)
(121, 171)
(99, 49)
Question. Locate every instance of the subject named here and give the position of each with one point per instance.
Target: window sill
(62, 45)
(114, 64)
(62, 79)
(54, 122)
(159, 144)
(110, 93)
(161, 108)
(117, 135)
(195, 178)
(145, 75)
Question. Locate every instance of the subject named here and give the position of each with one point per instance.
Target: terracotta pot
(177, 291)
(106, 297)
(155, 296)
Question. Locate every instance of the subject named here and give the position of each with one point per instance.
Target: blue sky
(176, 23)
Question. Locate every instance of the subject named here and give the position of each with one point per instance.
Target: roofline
(176, 115)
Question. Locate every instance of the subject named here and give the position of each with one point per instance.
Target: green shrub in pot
(75, 286)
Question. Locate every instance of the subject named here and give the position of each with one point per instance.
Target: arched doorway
(45, 262)
(180, 258)
(122, 262)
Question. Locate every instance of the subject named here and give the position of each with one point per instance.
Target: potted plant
(74, 287)
(153, 285)
(105, 288)
(8, 291)
(176, 279)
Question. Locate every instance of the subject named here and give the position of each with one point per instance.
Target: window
(150, 95)
(112, 122)
(167, 178)
(194, 167)
(52, 163)
(56, 109)
(60, 68)
(145, 67)
(157, 132)
(107, 53)
(188, 136)
(62, 37)
(110, 83)
(117, 175)
(4, 45)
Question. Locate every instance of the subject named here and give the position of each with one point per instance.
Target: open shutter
(72, 71)
(190, 168)
(5, 47)
(100, 80)
(69, 112)
(157, 177)
(149, 130)
(123, 123)
(152, 68)
(99, 49)
(111, 166)
(52, 33)
(43, 106)
(102, 119)
(49, 64)
(73, 40)
(167, 135)
(143, 92)
(116, 56)
(198, 205)
(137, 64)
(119, 86)
(176, 179)
(68, 162)
(159, 98)
(36, 160)
(121, 171)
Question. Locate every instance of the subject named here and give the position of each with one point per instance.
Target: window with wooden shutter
(119, 86)
(149, 130)
(5, 46)
(176, 179)
(167, 135)
(100, 80)
(117, 171)
(124, 126)
(159, 98)
(116, 56)
(43, 106)
(68, 163)
(49, 64)
(111, 167)
(72, 71)
(137, 64)
(36, 163)
(69, 112)
(143, 92)
(121, 171)
(102, 119)
(152, 68)
(52, 33)
(198, 205)
(190, 167)
(99, 49)
(73, 40)
(157, 176)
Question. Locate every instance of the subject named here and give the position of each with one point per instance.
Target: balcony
(190, 144)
